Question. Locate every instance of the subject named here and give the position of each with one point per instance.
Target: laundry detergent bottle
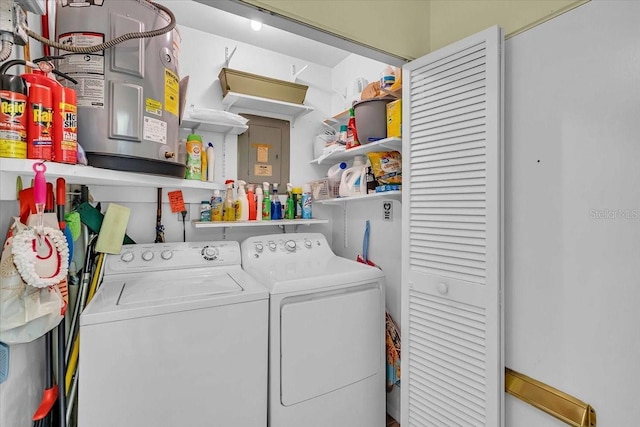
(354, 179)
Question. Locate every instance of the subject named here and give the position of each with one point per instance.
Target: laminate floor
(391, 422)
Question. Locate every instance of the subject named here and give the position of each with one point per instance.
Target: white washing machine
(177, 335)
(326, 332)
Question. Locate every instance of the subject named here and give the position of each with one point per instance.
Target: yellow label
(171, 91)
(153, 106)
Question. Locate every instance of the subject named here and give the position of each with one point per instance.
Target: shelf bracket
(224, 233)
(297, 74)
(227, 56)
(344, 222)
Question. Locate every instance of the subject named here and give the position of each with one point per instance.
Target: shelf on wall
(396, 195)
(215, 121)
(88, 175)
(204, 126)
(343, 117)
(280, 223)
(386, 144)
(271, 107)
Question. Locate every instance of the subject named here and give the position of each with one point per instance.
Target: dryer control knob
(127, 256)
(290, 245)
(307, 244)
(210, 253)
(272, 246)
(259, 247)
(147, 255)
(166, 255)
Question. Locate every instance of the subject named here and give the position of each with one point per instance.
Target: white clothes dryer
(175, 336)
(326, 332)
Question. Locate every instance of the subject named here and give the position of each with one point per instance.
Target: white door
(452, 353)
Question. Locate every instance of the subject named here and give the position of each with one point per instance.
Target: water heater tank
(128, 95)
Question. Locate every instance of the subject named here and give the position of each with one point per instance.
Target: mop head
(74, 224)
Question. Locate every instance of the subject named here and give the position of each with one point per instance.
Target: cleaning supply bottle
(210, 164)
(194, 157)
(259, 198)
(242, 203)
(203, 165)
(352, 133)
(335, 172)
(354, 179)
(306, 201)
(266, 202)
(228, 208)
(251, 199)
(297, 200)
(276, 206)
(216, 206)
(290, 211)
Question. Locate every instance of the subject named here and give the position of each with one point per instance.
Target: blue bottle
(276, 206)
(306, 201)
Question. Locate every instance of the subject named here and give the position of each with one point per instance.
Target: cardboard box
(263, 87)
(394, 119)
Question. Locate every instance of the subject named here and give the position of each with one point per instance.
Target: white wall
(573, 210)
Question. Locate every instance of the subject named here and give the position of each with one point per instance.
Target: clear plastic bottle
(290, 211)
(229, 211)
(216, 206)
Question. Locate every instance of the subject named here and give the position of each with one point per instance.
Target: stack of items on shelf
(376, 172)
(198, 158)
(255, 202)
(38, 118)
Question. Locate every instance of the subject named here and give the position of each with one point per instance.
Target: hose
(110, 43)
(7, 47)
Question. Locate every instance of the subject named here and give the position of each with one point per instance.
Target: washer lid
(151, 294)
(168, 290)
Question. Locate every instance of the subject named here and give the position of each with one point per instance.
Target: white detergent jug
(354, 179)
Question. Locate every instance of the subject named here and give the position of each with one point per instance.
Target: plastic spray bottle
(290, 211)
(216, 206)
(297, 199)
(251, 199)
(266, 202)
(276, 206)
(229, 212)
(259, 203)
(242, 203)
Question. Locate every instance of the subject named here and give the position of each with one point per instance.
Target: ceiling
(208, 18)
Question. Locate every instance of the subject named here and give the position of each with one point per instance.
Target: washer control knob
(147, 255)
(290, 245)
(307, 244)
(166, 255)
(259, 247)
(272, 246)
(209, 253)
(127, 256)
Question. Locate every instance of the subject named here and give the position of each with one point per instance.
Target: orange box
(394, 119)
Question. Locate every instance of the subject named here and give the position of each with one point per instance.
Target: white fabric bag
(26, 312)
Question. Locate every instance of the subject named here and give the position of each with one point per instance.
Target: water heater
(128, 95)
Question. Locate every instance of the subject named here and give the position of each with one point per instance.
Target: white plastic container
(354, 179)
(242, 203)
(335, 172)
(210, 162)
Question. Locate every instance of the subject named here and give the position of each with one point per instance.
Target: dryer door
(330, 340)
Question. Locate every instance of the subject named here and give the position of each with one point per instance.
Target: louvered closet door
(452, 356)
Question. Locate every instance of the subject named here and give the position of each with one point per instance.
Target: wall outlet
(187, 218)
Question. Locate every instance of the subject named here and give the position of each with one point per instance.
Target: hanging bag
(28, 312)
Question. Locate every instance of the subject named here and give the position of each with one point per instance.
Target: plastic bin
(371, 119)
